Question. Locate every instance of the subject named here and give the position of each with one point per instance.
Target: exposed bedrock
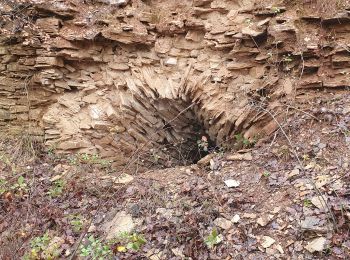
(144, 80)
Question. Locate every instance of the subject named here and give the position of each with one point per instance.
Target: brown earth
(119, 78)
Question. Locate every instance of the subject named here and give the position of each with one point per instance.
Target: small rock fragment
(205, 160)
(55, 178)
(178, 252)
(236, 218)
(122, 222)
(232, 183)
(267, 241)
(293, 173)
(223, 223)
(264, 220)
(240, 157)
(280, 249)
(310, 223)
(249, 215)
(171, 62)
(316, 245)
(123, 179)
(319, 202)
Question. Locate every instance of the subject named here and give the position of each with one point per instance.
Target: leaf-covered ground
(260, 203)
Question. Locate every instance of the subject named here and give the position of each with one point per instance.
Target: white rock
(171, 62)
(267, 241)
(123, 179)
(280, 249)
(236, 218)
(223, 223)
(240, 157)
(293, 173)
(122, 222)
(316, 245)
(232, 183)
(264, 220)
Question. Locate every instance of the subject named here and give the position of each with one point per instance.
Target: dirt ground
(259, 203)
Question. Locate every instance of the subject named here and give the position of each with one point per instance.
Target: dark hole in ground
(187, 141)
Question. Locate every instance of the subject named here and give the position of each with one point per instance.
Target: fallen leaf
(121, 248)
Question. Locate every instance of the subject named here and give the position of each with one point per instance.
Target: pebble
(223, 223)
(236, 218)
(316, 245)
(232, 183)
(267, 241)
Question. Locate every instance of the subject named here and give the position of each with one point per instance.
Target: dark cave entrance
(186, 140)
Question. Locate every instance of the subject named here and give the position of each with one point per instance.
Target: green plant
(6, 160)
(275, 9)
(42, 248)
(133, 241)
(57, 188)
(73, 160)
(77, 222)
(96, 250)
(91, 159)
(242, 142)
(203, 144)
(307, 203)
(287, 58)
(248, 21)
(20, 185)
(3, 186)
(213, 239)
(266, 174)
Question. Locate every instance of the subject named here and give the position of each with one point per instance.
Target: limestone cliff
(148, 78)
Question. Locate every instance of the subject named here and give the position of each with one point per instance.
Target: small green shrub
(96, 250)
(133, 241)
(203, 144)
(3, 186)
(287, 58)
(20, 185)
(42, 248)
(77, 222)
(214, 238)
(57, 188)
(242, 142)
(266, 174)
(307, 203)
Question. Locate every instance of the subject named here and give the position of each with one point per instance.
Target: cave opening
(186, 139)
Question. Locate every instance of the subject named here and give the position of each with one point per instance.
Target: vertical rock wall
(115, 77)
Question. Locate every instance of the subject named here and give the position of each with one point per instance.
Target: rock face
(145, 79)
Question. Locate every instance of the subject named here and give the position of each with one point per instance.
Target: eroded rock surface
(145, 79)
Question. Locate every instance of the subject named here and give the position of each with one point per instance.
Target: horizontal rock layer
(139, 80)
